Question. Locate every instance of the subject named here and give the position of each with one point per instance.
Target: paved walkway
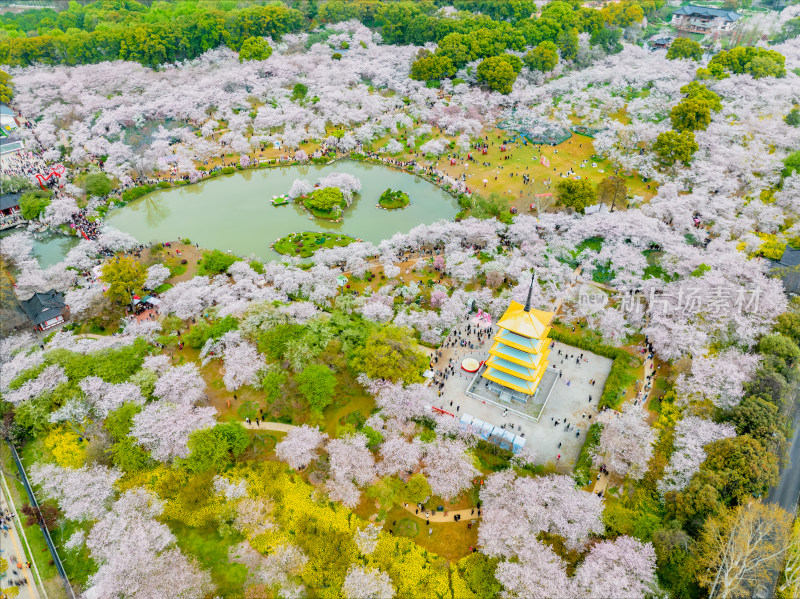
(442, 517)
(268, 426)
(601, 483)
(11, 550)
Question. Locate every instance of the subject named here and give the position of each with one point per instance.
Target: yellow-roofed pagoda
(518, 357)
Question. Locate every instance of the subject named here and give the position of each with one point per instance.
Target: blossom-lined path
(280, 427)
(446, 516)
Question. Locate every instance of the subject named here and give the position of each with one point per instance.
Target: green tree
(390, 353)
(611, 190)
(432, 67)
(543, 57)
(417, 489)
(215, 448)
(691, 115)
(515, 62)
(736, 469)
(576, 194)
(124, 277)
(793, 118)
(675, 146)
(255, 48)
(325, 200)
(97, 184)
(478, 571)
(607, 39)
(498, 74)
(6, 88)
(758, 62)
(758, 418)
(791, 164)
(129, 456)
(272, 384)
(317, 384)
(684, 47)
(779, 346)
(299, 92)
(788, 324)
(118, 423)
(33, 203)
(568, 44)
(790, 30)
(698, 91)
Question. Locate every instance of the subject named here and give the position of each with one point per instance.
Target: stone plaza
(568, 404)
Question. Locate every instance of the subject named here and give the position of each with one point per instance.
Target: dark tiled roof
(43, 306)
(9, 200)
(791, 257)
(690, 10)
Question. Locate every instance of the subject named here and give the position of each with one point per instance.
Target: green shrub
(97, 184)
(33, 203)
(136, 192)
(228, 170)
(583, 465)
(205, 330)
(216, 262)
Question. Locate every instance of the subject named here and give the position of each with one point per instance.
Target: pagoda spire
(530, 291)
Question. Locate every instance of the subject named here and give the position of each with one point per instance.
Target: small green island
(392, 200)
(327, 202)
(305, 244)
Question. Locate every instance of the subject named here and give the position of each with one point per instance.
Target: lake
(235, 212)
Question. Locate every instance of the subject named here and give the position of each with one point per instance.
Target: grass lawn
(451, 540)
(305, 244)
(211, 552)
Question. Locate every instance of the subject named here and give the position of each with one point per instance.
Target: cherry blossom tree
(50, 378)
(181, 384)
(447, 464)
(626, 442)
(116, 241)
(163, 428)
(137, 555)
(622, 568)
(367, 583)
(539, 574)
(399, 456)
(156, 275)
(242, 361)
(543, 504)
(351, 464)
(398, 401)
(284, 562)
(299, 447)
(229, 489)
(692, 434)
(158, 363)
(105, 397)
(345, 182)
(719, 378)
(81, 493)
(367, 538)
(82, 299)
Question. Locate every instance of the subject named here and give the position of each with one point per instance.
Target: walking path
(11, 551)
(601, 482)
(281, 427)
(446, 516)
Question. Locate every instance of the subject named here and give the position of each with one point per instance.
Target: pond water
(48, 248)
(235, 212)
